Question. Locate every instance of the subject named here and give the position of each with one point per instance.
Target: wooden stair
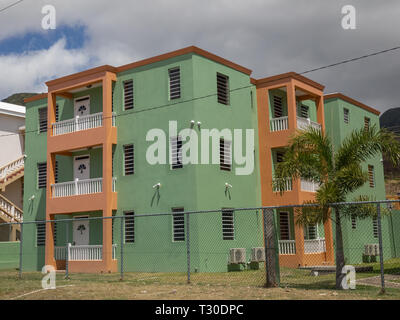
(11, 172)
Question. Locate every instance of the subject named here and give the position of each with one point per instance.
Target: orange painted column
(291, 105)
(292, 118)
(51, 163)
(107, 173)
(320, 112)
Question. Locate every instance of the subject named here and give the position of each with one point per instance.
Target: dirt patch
(391, 281)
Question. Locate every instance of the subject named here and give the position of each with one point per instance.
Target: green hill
(18, 98)
(391, 119)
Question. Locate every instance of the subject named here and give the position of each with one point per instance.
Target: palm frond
(364, 144)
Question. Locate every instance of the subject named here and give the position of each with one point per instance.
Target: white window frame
(233, 223)
(289, 225)
(133, 94)
(42, 235)
(134, 226)
(178, 150)
(173, 223)
(169, 84)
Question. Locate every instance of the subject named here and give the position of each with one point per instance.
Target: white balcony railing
(304, 123)
(314, 246)
(310, 186)
(79, 187)
(82, 253)
(90, 121)
(279, 124)
(288, 185)
(287, 247)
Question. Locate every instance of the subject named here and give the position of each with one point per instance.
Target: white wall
(11, 146)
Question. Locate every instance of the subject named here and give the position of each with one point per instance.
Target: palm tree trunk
(339, 251)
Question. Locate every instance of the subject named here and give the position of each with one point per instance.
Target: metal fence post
(122, 248)
(378, 209)
(20, 249)
(67, 251)
(271, 256)
(188, 247)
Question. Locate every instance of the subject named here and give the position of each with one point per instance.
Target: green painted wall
(394, 231)
(338, 130)
(9, 253)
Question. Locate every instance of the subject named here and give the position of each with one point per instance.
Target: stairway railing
(9, 211)
(11, 167)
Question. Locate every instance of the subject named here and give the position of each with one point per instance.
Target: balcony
(287, 246)
(309, 186)
(305, 123)
(310, 246)
(82, 253)
(279, 124)
(288, 185)
(79, 187)
(314, 245)
(82, 123)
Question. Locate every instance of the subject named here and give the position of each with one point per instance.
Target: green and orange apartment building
(86, 151)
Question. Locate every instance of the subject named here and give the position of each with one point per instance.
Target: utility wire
(11, 5)
(351, 60)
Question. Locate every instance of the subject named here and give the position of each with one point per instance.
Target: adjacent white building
(12, 149)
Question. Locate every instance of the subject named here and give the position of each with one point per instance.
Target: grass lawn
(295, 284)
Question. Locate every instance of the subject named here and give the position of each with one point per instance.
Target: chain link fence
(226, 248)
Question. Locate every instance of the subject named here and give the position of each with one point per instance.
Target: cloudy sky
(269, 37)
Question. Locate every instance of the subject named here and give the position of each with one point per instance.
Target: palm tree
(311, 155)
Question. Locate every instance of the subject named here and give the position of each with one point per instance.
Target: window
(353, 221)
(312, 231)
(174, 83)
(346, 115)
(223, 89)
(128, 94)
(42, 174)
(129, 163)
(304, 111)
(56, 172)
(176, 152)
(42, 120)
(55, 232)
(228, 226)
(178, 224)
(225, 155)
(40, 234)
(375, 227)
(371, 176)
(129, 227)
(57, 113)
(278, 107)
(366, 123)
(279, 157)
(284, 226)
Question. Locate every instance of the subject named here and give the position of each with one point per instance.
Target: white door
(82, 106)
(80, 232)
(82, 168)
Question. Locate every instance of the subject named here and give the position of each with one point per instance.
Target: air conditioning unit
(371, 249)
(237, 255)
(257, 254)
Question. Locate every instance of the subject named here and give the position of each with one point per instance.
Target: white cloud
(29, 71)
